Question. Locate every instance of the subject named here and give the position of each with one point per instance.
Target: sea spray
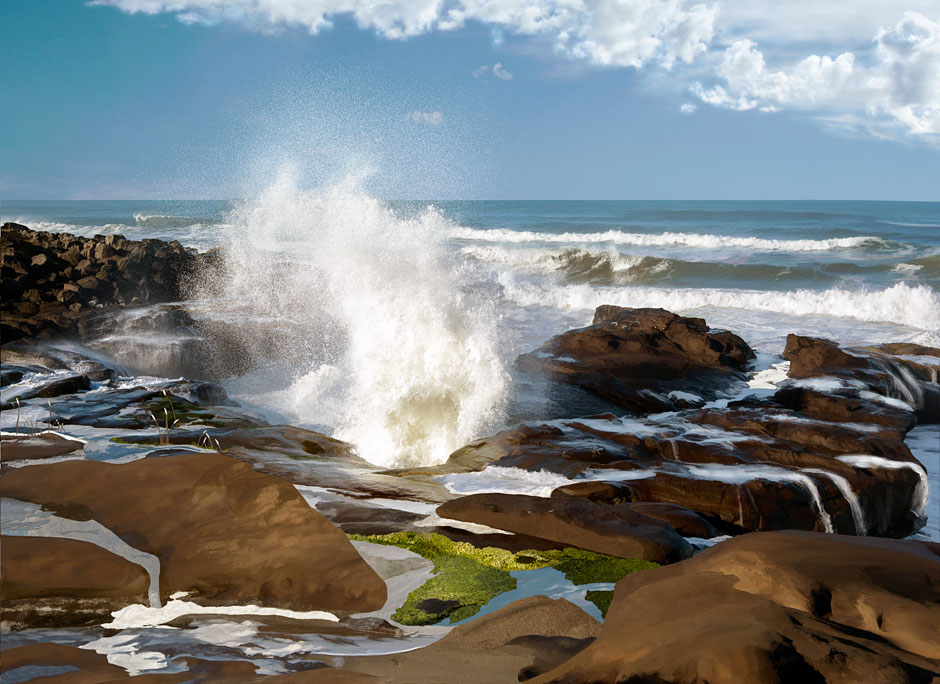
(400, 340)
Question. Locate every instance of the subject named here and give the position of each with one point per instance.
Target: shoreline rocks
(773, 607)
(644, 360)
(56, 582)
(52, 280)
(614, 531)
(223, 532)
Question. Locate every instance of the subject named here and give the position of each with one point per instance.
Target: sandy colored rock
(574, 522)
(769, 608)
(511, 644)
(222, 531)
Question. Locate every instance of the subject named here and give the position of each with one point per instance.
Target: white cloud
(603, 32)
(896, 82)
(688, 108)
(820, 57)
(500, 72)
(426, 118)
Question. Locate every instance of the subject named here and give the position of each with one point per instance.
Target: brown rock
(51, 582)
(634, 358)
(43, 567)
(771, 608)
(511, 644)
(199, 513)
(43, 445)
(615, 531)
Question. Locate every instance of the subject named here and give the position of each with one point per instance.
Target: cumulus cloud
(500, 72)
(603, 32)
(426, 118)
(855, 75)
(896, 82)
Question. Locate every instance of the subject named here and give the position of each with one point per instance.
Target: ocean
(394, 325)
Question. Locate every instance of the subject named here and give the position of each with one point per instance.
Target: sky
(472, 99)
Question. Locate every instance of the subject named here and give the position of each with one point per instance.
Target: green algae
(467, 577)
(458, 590)
(601, 599)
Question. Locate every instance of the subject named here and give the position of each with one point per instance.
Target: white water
(666, 239)
(915, 306)
(137, 616)
(919, 503)
(408, 365)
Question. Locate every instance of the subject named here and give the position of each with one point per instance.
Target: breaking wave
(669, 239)
(405, 339)
(916, 306)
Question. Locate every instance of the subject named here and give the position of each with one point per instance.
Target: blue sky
(697, 101)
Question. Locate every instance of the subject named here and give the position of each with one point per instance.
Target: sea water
(394, 325)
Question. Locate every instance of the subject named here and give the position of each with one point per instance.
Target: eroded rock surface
(575, 522)
(770, 608)
(48, 581)
(644, 360)
(222, 531)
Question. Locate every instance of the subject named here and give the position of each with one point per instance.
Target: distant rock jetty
(51, 281)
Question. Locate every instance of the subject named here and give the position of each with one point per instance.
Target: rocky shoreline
(131, 505)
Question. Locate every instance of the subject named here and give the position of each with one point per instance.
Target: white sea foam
(916, 306)
(409, 363)
(124, 651)
(667, 239)
(907, 269)
(919, 503)
(138, 616)
(505, 480)
(739, 474)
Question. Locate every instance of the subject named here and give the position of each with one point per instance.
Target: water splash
(400, 341)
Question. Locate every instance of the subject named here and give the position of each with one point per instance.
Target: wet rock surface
(64, 582)
(792, 607)
(581, 523)
(644, 360)
(907, 372)
(199, 514)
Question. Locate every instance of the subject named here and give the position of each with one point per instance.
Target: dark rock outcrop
(48, 582)
(637, 359)
(615, 531)
(222, 531)
(908, 373)
(790, 607)
(51, 280)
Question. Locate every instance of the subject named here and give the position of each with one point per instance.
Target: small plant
(209, 442)
(163, 432)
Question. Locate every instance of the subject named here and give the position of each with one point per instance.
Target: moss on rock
(459, 589)
(601, 599)
(467, 577)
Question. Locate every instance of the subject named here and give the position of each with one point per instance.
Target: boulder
(199, 513)
(644, 360)
(906, 377)
(53, 582)
(511, 644)
(41, 445)
(789, 607)
(615, 531)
